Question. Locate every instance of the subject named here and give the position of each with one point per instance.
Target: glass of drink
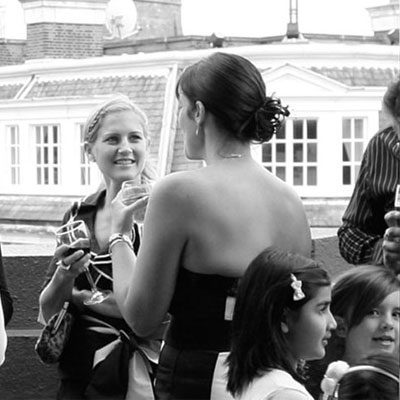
(76, 236)
(132, 191)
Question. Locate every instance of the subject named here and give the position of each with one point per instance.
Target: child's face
(309, 328)
(377, 333)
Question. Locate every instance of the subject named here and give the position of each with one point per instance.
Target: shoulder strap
(74, 210)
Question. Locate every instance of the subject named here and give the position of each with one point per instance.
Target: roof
(359, 76)
(9, 91)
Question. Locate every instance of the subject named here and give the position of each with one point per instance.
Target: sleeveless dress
(271, 383)
(191, 364)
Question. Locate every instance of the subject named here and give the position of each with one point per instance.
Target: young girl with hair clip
(375, 377)
(204, 226)
(366, 305)
(281, 318)
(117, 140)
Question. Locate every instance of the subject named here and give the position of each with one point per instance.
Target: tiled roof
(8, 92)
(359, 76)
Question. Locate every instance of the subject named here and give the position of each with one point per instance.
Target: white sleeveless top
(274, 382)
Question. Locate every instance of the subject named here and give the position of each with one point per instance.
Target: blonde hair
(115, 104)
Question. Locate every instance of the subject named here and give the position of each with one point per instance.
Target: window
(47, 139)
(353, 133)
(14, 148)
(84, 162)
(292, 155)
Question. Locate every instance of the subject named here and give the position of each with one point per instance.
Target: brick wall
(12, 51)
(55, 40)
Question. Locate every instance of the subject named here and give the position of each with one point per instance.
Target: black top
(77, 358)
(198, 310)
(6, 300)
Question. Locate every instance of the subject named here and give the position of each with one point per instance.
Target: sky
(252, 18)
(270, 17)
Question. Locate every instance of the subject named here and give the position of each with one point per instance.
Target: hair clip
(296, 285)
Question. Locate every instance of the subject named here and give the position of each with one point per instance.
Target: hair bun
(269, 118)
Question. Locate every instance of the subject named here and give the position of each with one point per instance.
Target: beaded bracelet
(118, 237)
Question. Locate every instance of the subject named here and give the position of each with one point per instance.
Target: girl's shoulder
(276, 385)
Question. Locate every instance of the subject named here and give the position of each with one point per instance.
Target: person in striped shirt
(365, 236)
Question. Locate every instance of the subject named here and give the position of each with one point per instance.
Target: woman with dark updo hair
(203, 227)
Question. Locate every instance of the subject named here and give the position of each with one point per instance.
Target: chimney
(292, 31)
(64, 29)
(385, 21)
(158, 18)
(12, 34)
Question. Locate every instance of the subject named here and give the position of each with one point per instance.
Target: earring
(284, 327)
(91, 158)
(197, 131)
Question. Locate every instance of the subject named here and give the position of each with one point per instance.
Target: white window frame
(355, 156)
(13, 146)
(289, 164)
(53, 167)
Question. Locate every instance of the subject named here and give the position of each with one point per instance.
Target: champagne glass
(132, 191)
(76, 236)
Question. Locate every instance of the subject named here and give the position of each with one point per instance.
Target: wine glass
(76, 236)
(132, 191)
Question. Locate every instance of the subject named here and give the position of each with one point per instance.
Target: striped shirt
(360, 236)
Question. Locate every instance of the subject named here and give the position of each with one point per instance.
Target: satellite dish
(121, 18)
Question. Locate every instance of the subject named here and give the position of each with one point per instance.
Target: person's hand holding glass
(76, 236)
(131, 192)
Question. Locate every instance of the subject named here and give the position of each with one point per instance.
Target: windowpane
(346, 129)
(281, 134)
(55, 155)
(267, 152)
(298, 176)
(358, 151)
(356, 171)
(358, 128)
(346, 175)
(38, 155)
(298, 152)
(38, 176)
(312, 152)
(311, 128)
(280, 152)
(55, 174)
(55, 134)
(46, 155)
(45, 135)
(312, 176)
(281, 173)
(346, 151)
(297, 129)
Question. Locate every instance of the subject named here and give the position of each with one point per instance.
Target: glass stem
(93, 287)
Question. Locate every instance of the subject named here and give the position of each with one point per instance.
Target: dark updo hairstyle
(391, 100)
(381, 382)
(264, 294)
(232, 89)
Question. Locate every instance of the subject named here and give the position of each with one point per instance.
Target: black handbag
(54, 336)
